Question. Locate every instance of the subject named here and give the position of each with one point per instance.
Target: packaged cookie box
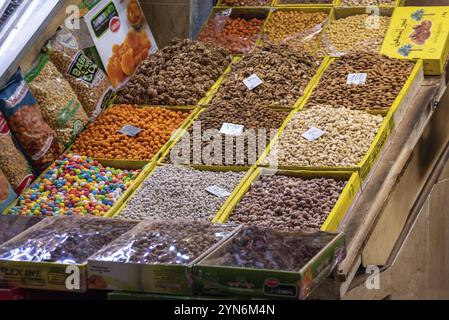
(52, 255)
(338, 212)
(121, 35)
(419, 33)
(155, 257)
(236, 268)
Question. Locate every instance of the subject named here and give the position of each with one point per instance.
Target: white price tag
(217, 191)
(232, 129)
(356, 78)
(130, 130)
(313, 133)
(252, 82)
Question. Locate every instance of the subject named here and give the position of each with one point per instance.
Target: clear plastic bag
(11, 226)
(12, 162)
(166, 241)
(265, 248)
(24, 117)
(237, 34)
(89, 82)
(245, 3)
(60, 106)
(64, 240)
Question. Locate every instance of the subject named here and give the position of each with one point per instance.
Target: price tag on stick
(232, 129)
(356, 78)
(130, 130)
(217, 191)
(252, 81)
(313, 134)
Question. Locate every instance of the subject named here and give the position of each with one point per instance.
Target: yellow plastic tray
(249, 170)
(337, 214)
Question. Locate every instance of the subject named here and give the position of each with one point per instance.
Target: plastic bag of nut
(11, 226)
(66, 240)
(7, 196)
(177, 241)
(60, 106)
(24, 117)
(238, 34)
(12, 162)
(89, 82)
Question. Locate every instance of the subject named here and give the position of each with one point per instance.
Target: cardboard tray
(160, 278)
(338, 212)
(264, 283)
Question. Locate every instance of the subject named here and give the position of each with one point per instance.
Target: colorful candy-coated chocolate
(74, 185)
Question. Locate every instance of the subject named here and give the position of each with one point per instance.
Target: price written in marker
(356, 78)
(231, 129)
(252, 82)
(218, 192)
(313, 134)
(130, 130)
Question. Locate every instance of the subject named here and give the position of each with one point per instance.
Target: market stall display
(75, 185)
(178, 75)
(160, 253)
(54, 243)
(25, 120)
(125, 132)
(172, 191)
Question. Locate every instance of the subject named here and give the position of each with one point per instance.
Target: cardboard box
(122, 37)
(106, 272)
(264, 283)
(419, 33)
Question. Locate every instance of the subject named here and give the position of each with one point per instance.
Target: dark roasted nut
(290, 203)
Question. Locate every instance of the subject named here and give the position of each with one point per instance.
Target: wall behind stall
(175, 18)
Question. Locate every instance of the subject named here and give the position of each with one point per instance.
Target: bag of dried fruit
(89, 82)
(23, 114)
(12, 162)
(60, 106)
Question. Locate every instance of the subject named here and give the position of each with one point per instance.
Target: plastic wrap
(24, 117)
(237, 34)
(177, 242)
(60, 106)
(89, 82)
(65, 240)
(11, 226)
(263, 248)
(12, 162)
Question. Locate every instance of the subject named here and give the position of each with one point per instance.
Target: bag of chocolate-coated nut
(7, 194)
(24, 118)
(60, 106)
(86, 78)
(12, 162)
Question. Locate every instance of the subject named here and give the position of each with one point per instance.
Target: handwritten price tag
(356, 78)
(231, 129)
(313, 134)
(217, 191)
(252, 82)
(130, 130)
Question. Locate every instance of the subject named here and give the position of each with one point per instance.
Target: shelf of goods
(360, 205)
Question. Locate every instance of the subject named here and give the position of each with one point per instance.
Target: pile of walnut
(178, 75)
